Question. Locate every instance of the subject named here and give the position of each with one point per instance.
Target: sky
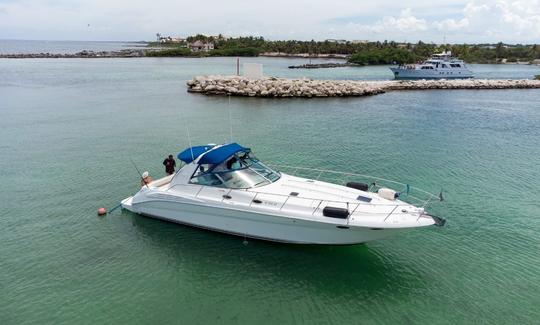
(458, 21)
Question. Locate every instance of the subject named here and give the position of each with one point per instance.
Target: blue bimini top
(218, 155)
(209, 154)
(193, 153)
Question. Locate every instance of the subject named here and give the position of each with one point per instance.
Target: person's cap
(170, 156)
(145, 174)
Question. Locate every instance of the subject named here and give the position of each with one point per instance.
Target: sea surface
(69, 127)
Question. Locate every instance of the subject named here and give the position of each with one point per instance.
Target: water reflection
(333, 271)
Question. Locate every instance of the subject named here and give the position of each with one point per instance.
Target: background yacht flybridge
(226, 188)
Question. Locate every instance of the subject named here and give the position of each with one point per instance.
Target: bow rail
(375, 182)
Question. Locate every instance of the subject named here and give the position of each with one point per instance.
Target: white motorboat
(439, 66)
(226, 188)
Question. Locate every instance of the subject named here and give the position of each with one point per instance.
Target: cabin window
(244, 178)
(207, 179)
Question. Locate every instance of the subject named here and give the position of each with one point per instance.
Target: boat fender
(359, 186)
(101, 211)
(388, 194)
(334, 212)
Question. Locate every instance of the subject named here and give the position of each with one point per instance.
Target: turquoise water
(69, 128)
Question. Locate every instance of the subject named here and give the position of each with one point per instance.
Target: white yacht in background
(439, 66)
(226, 188)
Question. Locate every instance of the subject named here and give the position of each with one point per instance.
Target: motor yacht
(225, 188)
(439, 66)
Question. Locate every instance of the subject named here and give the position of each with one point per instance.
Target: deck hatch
(364, 198)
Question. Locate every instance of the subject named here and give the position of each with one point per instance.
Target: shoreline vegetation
(355, 52)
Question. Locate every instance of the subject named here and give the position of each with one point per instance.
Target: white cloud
(406, 22)
(504, 20)
(459, 20)
(451, 24)
(389, 27)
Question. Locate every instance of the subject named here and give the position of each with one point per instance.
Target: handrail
(394, 209)
(321, 171)
(319, 201)
(351, 201)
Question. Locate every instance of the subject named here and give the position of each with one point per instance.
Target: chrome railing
(374, 182)
(316, 205)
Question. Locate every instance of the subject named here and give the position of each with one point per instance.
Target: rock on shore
(125, 53)
(323, 65)
(279, 87)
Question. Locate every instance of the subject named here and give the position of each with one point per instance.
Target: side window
(206, 179)
(202, 169)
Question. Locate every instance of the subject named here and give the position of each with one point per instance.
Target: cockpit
(231, 166)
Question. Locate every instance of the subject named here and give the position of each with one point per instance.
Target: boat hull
(411, 74)
(262, 226)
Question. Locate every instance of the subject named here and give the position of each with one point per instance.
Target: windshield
(242, 170)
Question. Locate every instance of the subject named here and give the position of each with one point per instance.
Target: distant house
(360, 41)
(169, 39)
(339, 41)
(200, 46)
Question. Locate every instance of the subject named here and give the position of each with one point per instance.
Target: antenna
(190, 146)
(445, 47)
(183, 117)
(230, 119)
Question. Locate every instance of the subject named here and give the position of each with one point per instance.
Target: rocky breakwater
(323, 65)
(125, 53)
(279, 87)
(459, 84)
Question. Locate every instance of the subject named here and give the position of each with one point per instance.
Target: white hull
(259, 225)
(400, 73)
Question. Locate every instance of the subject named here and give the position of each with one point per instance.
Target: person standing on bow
(169, 164)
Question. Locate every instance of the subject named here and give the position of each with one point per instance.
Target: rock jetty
(276, 87)
(322, 65)
(126, 53)
(279, 87)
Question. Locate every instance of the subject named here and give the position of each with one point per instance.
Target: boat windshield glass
(241, 170)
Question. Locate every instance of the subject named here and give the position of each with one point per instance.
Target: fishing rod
(137, 169)
(103, 211)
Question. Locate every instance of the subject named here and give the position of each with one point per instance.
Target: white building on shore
(200, 46)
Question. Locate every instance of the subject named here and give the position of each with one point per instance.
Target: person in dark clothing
(169, 164)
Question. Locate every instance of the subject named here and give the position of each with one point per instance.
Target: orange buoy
(101, 211)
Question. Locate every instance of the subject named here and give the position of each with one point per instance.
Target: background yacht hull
(259, 225)
(432, 74)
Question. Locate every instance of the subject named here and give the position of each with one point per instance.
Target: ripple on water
(74, 126)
